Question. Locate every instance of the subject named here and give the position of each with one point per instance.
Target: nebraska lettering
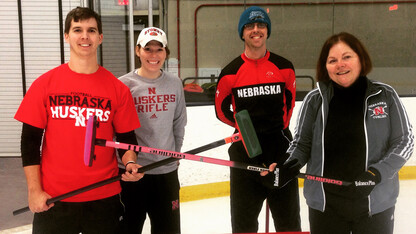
(84, 101)
(259, 91)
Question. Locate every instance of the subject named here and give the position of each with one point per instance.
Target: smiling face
(152, 57)
(84, 38)
(255, 35)
(343, 64)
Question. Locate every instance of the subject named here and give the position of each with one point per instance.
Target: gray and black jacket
(388, 134)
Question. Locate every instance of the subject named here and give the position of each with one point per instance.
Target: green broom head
(248, 134)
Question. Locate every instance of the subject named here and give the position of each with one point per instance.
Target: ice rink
(211, 216)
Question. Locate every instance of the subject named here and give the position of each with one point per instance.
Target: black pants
(330, 222)
(154, 195)
(93, 217)
(248, 190)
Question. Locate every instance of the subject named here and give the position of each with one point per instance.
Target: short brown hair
(82, 13)
(353, 43)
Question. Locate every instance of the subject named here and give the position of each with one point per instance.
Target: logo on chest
(269, 75)
(153, 102)
(378, 110)
(260, 90)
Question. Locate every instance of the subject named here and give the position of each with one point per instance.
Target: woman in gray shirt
(160, 103)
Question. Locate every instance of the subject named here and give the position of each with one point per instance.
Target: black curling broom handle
(116, 178)
(84, 189)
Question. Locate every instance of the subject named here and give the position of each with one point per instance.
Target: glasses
(259, 25)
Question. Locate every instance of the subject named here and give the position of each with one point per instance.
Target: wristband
(129, 163)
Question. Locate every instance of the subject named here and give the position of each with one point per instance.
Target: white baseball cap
(152, 34)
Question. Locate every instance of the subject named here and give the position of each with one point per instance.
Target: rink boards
(203, 127)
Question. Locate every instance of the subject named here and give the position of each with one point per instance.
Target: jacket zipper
(323, 143)
(366, 140)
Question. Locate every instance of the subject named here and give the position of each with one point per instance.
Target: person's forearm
(33, 178)
(128, 156)
(37, 197)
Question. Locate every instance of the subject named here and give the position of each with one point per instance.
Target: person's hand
(37, 201)
(269, 179)
(271, 169)
(131, 173)
(365, 182)
(287, 172)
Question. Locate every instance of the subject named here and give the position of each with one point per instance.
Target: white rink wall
(203, 128)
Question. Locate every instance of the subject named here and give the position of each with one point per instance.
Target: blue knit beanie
(254, 14)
